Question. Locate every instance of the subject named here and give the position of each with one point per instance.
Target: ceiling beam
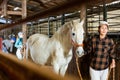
(69, 6)
(13, 12)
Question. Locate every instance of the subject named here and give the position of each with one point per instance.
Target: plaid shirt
(101, 50)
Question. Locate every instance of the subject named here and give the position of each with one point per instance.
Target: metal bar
(104, 11)
(49, 26)
(63, 19)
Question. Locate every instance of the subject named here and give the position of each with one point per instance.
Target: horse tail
(27, 49)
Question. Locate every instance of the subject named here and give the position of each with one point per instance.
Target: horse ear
(82, 21)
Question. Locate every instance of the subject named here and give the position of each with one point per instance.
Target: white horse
(57, 50)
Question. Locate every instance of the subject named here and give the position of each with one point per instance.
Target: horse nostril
(77, 52)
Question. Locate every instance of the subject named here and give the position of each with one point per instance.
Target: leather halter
(75, 44)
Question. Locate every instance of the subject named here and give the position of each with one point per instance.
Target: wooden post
(49, 26)
(99, 14)
(4, 9)
(24, 25)
(63, 19)
(104, 11)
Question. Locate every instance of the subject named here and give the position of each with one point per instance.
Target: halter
(75, 44)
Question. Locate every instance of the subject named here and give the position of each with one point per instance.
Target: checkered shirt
(101, 50)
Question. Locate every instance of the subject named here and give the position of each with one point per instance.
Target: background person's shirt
(7, 46)
(19, 43)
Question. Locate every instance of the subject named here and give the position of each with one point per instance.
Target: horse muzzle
(79, 51)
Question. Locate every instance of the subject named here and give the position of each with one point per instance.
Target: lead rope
(80, 76)
(76, 58)
(109, 74)
(112, 74)
(24, 51)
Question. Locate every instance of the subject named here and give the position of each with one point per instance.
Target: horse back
(32, 39)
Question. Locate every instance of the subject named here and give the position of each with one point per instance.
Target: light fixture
(16, 8)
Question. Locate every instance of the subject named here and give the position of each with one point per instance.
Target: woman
(19, 45)
(101, 49)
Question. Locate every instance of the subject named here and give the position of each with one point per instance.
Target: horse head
(78, 37)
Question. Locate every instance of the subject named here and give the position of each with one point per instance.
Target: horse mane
(63, 35)
(63, 30)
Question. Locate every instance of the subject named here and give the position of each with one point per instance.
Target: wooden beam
(13, 12)
(70, 6)
(40, 3)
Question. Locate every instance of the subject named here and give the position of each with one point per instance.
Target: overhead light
(94, 7)
(16, 8)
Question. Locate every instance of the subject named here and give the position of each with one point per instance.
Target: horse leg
(56, 68)
(63, 69)
(65, 66)
(19, 54)
(27, 47)
(27, 51)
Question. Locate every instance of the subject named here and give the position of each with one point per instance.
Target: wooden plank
(13, 69)
(13, 12)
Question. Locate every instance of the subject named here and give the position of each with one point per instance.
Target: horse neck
(64, 38)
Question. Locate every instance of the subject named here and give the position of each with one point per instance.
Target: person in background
(7, 45)
(101, 49)
(13, 40)
(19, 45)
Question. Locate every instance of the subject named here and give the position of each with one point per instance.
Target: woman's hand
(112, 65)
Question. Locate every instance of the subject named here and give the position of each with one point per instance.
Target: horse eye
(73, 34)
